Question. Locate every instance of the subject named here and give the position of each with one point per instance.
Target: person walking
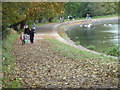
(70, 17)
(62, 19)
(22, 37)
(27, 32)
(31, 35)
(34, 28)
(88, 16)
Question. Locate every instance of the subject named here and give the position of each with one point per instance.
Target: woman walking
(31, 35)
(27, 33)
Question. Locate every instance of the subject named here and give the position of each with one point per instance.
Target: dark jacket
(27, 31)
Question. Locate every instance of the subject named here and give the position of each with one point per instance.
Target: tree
(15, 13)
(110, 7)
(71, 8)
(80, 9)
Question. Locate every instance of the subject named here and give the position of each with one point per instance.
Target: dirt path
(39, 66)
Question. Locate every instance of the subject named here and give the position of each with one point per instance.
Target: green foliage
(55, 19)
(91, 47)
(8, 61)
(113, 51)
(71, 8)
(106, 16)
(80, 9)
(77, 43)
(21, 13)
(76, 54)
(6, 49)
(14, 12)
(11, 84)
(110, 8)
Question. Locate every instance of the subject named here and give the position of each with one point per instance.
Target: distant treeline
(80, 9)
(21, 13)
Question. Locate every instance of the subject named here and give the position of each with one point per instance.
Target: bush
(77, 43)
(55, 19)
(91, 47)
(113, 51)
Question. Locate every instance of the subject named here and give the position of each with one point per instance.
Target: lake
(101, 36)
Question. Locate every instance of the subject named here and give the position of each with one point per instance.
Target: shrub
(91, 47)
(77, 43)
(113, 51)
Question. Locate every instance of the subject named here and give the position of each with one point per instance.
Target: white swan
(105, 24)
(80, 25)
(85, 25)
(110, 24)
(89, 25)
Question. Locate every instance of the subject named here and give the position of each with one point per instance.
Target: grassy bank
(79, 55)
(8, 61)
(107, 16)
(83, 18)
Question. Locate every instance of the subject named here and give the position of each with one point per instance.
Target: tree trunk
(22, 24)
(39, 21)
(14, 26)
(50, 19)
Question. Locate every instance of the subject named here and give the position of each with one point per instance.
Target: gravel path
(39, 66)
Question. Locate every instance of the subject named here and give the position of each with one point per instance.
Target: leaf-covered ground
(39, 66)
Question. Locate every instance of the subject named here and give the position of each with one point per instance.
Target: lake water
(101, 36)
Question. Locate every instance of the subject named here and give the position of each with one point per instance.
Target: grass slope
(77, 54)
(8, 62)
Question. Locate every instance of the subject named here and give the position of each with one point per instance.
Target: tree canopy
(22, 12)
(14, 12)
(80, 9)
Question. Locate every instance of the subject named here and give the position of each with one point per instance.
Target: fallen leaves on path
(39, 66)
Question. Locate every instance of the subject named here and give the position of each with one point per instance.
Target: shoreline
(62, 28)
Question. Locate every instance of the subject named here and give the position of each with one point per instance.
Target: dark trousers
(31, 39)
(23, 41)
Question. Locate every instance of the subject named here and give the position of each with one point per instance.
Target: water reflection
(101, 36)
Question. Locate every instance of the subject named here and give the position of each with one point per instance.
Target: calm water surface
(101, 36)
